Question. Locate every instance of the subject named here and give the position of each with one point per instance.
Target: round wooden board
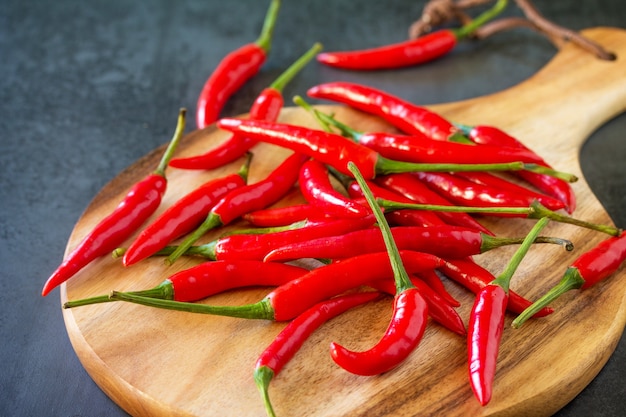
(155, 362)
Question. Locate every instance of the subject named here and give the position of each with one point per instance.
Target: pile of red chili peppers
(385, 214)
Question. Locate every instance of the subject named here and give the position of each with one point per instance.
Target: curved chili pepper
(138, 205)
(414, 190)
(293, 336)
(210, 278)
(183, 216)
(471, 194)
(474, 278)
(281, 216)
(444, 241)
(433, 280)
(405, 330)
(317, 189)
(234, 70)
(486, 323)
(267, 106)
(438, 309)
(587, 270)
(410, 52)
(246, 199)
(258, 246)
(410, 310)
(336, 150)
(490, 135)
(296, 296)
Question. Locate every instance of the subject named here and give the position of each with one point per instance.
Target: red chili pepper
(445, 241)
(336, 150)
(296, 296)
(410, 310)
(292, 337)
(414, 190)
(317, 189)
(470, 194)
(183, 216)
(137, 206)
(587, 270)
(561, 190)
(281, 216)
(210, 278)
(438, 309)
(234, 70)
(410, 52)
(486, 324)
(433, 280)
(257, 246)
(267, 106)
(246, 199)
(408, 117)
(474, 278)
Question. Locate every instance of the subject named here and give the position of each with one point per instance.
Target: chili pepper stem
(264, 41)
(171, 148)
(245, 168)
(388, 166)
(262, 377)
(480, 20)
(163, 291)
(258, 310)
(211, 222)
(571, 280)
(535, 211)
(402, 280)
(284, 78)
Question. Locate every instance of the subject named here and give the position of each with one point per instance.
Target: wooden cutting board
(157, 363)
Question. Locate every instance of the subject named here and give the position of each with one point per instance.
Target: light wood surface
(157, 363)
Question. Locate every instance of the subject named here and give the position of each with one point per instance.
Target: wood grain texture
(154, 362)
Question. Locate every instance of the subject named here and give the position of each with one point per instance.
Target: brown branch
(555, 31)
(508, 23)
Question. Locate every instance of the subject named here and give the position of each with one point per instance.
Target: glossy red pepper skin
(409, 118)
(422, 149)
(463, 192)
(267, 106)
(328, 148)
(292, 337)
(245, 199)
(484, 333)
(180, 218)
(234, 70)
(405, 331)
(317, 189)
(445, 241)
(402, 54)
(415, 190)
(474, 278)
(438, 309)
(491, 135)
(433, 280)
(140, 203)
(210, 278)
(282, 216)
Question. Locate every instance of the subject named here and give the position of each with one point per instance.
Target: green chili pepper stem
(118, 253)
(171, 148)
(262, 377)
(401, 277)
(298, 100)
(571, 280)
(164, 291)
(264, 41)
(535, 211)
(245, 168)
(493, 242)
(390, 166)
(480, 20)
(258, 310)
(504, 279)
(206, 251)
(211, 222)
(284, 78)
(265, 230)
